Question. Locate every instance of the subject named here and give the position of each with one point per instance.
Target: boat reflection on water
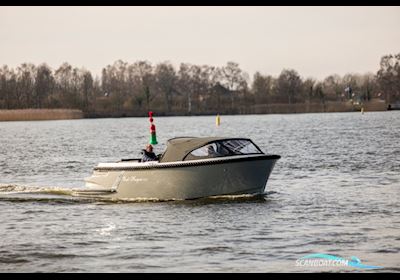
(190, 168)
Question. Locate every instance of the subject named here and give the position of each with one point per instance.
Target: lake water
(336, 190)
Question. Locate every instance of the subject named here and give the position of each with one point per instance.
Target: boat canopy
(192, 148)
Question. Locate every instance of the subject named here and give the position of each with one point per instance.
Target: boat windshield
(224, 148)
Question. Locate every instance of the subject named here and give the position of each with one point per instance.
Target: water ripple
(335, 190)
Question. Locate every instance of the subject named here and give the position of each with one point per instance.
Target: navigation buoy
(217, 120)
(153, 137)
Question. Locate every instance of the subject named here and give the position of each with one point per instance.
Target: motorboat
(189, 168)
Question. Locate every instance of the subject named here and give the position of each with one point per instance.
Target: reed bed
(328, 106)
(40, 114)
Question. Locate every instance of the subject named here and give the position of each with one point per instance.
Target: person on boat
(148, 154)
(212, 152)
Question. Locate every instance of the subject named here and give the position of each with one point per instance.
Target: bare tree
(165, 81)
(261, 88)
(87, 89)
(388, 77)
(44, 83)
(233, 78)
(289, 84)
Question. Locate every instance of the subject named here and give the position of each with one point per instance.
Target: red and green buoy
(153, 137)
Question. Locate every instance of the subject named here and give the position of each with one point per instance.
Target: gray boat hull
(182, 180)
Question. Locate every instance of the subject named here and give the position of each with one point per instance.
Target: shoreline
(40, 114)
(261, 109)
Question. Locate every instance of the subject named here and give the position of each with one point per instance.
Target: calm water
(336, 190)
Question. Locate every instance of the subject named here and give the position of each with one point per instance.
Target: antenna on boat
(153, 137)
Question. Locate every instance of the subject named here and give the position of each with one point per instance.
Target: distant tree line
(125, 89)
